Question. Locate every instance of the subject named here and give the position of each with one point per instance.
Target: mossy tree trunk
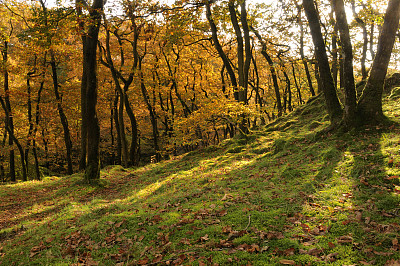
(370, 104)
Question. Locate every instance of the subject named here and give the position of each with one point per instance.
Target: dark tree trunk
(349, 115)
(363, 26)
(219, 49)
(247, 48)
(117, 128)
(15, 140)
(272, 70)
(328, 86)
(92, 172)
(303, 58)
(297, 85)
(9, 118)
(63, 117)
(371, 40)
(334, 52)
(83, 148)
(153, 116)
(370, 104)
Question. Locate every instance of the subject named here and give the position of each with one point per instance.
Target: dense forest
(90, 84)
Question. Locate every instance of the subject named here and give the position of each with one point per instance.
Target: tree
(90, 86)
(370, 105)
(369, 108)
(328, 86)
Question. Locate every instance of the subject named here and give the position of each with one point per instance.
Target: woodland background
(169, 77)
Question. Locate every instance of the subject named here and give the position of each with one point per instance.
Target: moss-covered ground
(285, 195)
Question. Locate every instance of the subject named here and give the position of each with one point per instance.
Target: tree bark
(303, 58)
(370, 104)
(349, 116)
(328, 86)
(7, 109)
(272, 70)
(92, 172)
(63, 117)
(363, 26)
(219, 49)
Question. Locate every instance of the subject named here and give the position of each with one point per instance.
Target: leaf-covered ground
(286, 195)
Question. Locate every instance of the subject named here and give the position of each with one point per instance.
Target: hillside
(286, 195)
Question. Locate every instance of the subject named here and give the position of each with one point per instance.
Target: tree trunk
(16, 141)
(370, 104)
(81, 26)
(297, 85)
(303, 58)
(272, 70)
(63, 117)
(153, 116)
(117, 128)
(219, 49)
(349, 115)
(328, 86)
(92, 172)
(363, 26)
(7, 109)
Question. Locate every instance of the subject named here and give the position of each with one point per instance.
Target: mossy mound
(395, 93)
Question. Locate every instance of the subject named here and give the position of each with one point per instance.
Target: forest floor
(286, 195)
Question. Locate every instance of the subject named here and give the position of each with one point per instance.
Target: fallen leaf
(392, 263)
(226, 197)
(383, 253)
(204, 238)
(287, 262)
(359, 216)
(345, 239)
(314, 252)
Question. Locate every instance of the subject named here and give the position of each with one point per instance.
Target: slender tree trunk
(363, 26)
(334, 52)
(272, 70)
(350, 103)
(297, 85)
(63, 117)
(219, 49)
(247, 48)
(371, 40)
(16, 141)
(153, 117)
(117, 128)
(328, 86)
(7, 109)
(303, 58)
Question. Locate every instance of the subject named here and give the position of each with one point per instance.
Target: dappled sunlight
(207, 168)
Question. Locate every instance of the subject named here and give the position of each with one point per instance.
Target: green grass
(287, 194)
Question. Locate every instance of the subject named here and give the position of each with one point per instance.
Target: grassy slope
(284, 196)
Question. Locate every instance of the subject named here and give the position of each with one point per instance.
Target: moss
(395, 93)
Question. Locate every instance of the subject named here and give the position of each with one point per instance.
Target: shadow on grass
(295, 200)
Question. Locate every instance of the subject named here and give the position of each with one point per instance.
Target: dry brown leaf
(345, 239)
(287, 262)
(392, 263)
(359, 216)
